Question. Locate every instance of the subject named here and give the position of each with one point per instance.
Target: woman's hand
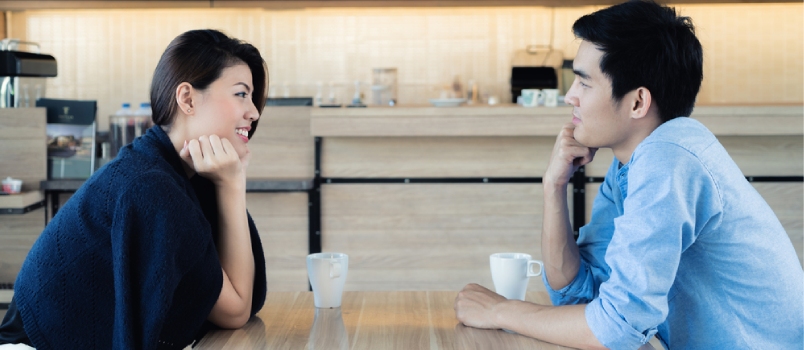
(216, 159)
(568, 155)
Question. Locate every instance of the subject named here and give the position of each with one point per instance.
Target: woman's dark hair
(198, 57)
(645, 44)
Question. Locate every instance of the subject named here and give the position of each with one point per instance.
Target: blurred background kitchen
(753, 52)
(417, 195)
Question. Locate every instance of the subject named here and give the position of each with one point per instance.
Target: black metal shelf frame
(579, 181)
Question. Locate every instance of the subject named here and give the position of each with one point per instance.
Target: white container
(126, 125)
(383, 87)
(12, 186)
(327, 274)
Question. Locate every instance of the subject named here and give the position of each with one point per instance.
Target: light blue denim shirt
(681, 244)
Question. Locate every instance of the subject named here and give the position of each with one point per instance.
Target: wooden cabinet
(437, 231)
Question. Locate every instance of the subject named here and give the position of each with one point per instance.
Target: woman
(157, 245)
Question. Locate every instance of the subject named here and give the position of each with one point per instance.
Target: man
(680, 245)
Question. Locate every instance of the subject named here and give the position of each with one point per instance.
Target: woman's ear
(640, 103)
(184, 98)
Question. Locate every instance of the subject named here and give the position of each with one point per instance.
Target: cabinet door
(18, 232)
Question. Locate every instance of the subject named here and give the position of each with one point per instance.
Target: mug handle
(530, 271)
(334, 269)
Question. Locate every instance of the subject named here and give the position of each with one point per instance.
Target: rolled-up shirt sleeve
(668, 198)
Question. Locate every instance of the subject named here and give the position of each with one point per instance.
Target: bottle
(142, 119)
(457, 87)
(144, 110)
(118, 128)
(319, 94)
(125, 110)
(471, 92)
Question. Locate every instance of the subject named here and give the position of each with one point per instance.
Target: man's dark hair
(198, 57)
(645, 44)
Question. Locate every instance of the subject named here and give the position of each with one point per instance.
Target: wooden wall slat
(281, 219)
(429, 236)
(436, 157)
(282, 147)
(17, 235)
(23, 154)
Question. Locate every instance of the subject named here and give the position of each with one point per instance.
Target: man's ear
(641, 101)
(184, 97)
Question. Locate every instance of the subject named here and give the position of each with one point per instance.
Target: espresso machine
(22, 73)
(536, 67)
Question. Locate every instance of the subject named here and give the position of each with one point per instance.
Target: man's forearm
(562, 325)
(559, 250)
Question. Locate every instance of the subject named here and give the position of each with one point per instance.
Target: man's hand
(568, 155)
(475, 306)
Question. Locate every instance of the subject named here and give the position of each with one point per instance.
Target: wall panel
(281, 219)
(429, 236)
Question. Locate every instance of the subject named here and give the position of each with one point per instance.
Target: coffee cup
(511, 273)
(531, 97)
(12, 186)
(327, 274)
(550, 97)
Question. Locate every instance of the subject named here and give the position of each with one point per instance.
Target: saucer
(447, 102)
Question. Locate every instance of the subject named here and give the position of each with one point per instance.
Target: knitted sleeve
(158, 235)
(260, 284)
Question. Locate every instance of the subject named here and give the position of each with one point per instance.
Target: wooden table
(367, 320)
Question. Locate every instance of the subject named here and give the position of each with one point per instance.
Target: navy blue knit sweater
(130, 261)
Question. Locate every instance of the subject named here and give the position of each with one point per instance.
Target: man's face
(599, 121)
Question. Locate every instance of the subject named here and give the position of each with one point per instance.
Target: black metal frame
(579, 181)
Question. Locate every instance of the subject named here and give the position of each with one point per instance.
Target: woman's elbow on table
(231, 311)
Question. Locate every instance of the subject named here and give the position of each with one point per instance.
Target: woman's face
(225, 108)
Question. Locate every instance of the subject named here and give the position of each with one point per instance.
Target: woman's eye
(241, 94)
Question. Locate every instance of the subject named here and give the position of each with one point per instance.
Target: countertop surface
(514, 120)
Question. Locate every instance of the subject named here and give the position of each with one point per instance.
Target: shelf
(21, 203)
(252, 185)
(512, 120)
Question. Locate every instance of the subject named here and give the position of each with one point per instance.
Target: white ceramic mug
(327, 274)
(550, 97)
(511, 273)
(531, 97)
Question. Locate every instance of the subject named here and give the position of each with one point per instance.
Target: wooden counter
(419, 196)
(513, 120)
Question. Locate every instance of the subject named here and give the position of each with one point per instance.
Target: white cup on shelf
(532, 97)
(550, 97)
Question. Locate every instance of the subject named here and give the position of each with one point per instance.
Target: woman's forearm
(234, 246)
